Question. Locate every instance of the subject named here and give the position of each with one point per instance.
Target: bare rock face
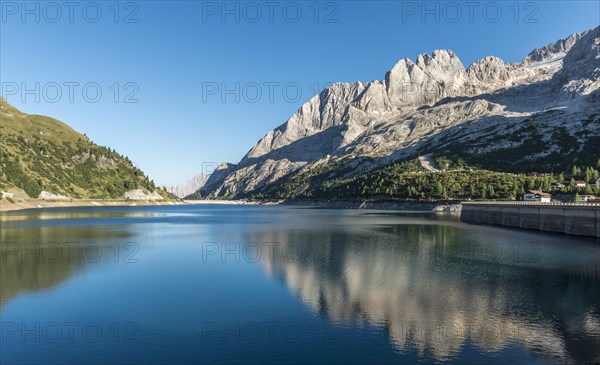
(44, 195)
(190, 186)
(418, 104)
(580, 73)
(216, 178)
(487, 75)
(323, 111)
(139, 194)
(562, 46)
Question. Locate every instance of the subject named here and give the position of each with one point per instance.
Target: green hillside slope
(39, 153)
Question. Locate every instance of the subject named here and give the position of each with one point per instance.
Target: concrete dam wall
(575, 219)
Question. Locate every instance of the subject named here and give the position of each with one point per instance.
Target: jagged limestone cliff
(539, 114)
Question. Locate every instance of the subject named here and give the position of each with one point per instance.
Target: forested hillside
(39, 153)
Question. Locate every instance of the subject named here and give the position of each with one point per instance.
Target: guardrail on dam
(570, 218)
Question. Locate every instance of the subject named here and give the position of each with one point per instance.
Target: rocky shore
(6, 206)
(382, 205)
(324, 204)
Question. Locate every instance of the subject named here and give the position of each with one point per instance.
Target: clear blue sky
(176, 53)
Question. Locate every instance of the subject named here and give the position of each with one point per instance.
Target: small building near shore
(7, 194)
(537, 196)
(580, 184)
(593, 198)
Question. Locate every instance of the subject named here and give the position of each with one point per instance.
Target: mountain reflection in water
(434, 288)
(388, 287)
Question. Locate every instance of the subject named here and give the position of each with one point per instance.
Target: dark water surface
(244, 284)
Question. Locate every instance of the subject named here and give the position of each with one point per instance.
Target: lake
(281, 285)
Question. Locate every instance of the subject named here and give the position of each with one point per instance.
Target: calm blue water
(276, 285)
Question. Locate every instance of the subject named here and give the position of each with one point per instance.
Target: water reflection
(33, 259)
(435, 287)
(438, 288)
(28, 215)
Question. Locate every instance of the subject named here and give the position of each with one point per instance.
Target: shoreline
(319, 204)
(40, 204)
(487, 212)
(377, 205)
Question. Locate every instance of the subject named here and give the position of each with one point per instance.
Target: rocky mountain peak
(417, 101)
(190, 186)
(583, 59)
(553, 50)
(432, 78)
(216, 178)
(580, 74)
(488, 74)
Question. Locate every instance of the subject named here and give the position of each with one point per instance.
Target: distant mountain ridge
(541, 114)
(190, 186)
(46, 159)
